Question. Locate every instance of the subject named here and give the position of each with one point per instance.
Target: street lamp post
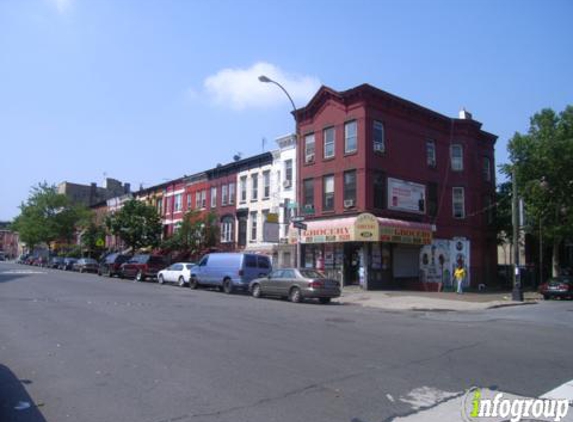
(266, 79)
(517, 292)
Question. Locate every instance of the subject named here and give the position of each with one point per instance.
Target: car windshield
(311, 274)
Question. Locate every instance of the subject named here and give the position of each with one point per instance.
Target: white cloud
(240, 88)
(62, 5)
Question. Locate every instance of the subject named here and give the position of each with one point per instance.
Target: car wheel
(181, 282)
(256, 292)
(324, 300)
(81, 270)
(295, 296)
(160, 279)
(228, 286)
(193, 284)
(139, 276)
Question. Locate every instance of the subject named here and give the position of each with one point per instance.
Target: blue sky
(145, 91)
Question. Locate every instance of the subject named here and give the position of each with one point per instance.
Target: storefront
(365, 250)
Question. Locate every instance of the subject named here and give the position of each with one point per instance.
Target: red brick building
(394, 194)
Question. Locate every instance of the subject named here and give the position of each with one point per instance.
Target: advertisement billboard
(406, 196)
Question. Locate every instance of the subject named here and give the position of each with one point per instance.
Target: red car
(141, 267)
(561, 287)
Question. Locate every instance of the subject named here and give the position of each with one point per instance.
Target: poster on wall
(460, 255)
(435, 262)
(406, 196)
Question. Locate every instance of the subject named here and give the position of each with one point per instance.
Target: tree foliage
(502, 222)
(543, 161)
(198, 232)
(93, 239)
(48, 216)
(137, 224)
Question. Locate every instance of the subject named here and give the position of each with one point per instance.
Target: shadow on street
(16, 405)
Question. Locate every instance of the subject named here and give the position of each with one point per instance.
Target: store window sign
(406, 196)
(366, 228)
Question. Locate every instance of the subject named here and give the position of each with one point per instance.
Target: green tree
(543, 161)
(93, 239)
(198, 231)
(502, 221)
(137, 224)
(48, 216)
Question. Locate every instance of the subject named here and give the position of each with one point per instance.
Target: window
(203, 198)
(350, 137)
(188, 201)
(486, 169)
(243, 188)
(489, 209)
(251, 261)
(168, 201)
(431, 153)
(328, 135)
(263, 262)
(254, 187)
(266, 184)
(432, 199)
(349, 189)
(379, 191)
(231, 193)
(378, 137)
(224, 194)
(254, 223)
(288, 174)
(198, 199)
(308, 196)
(214, 197)
(227, 225)
(328, 193)
(178, 203)
(159, 206)
(457, 157)
(458, 206)
(309, 148)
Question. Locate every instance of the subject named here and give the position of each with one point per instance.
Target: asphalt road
(81, 348)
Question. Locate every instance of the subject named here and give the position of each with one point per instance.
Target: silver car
(296, 284)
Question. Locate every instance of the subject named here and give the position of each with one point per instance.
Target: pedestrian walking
(459, 275)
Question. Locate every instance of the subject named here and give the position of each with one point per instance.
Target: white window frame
(266, 184)
(198, 199)
(188, 201)
(254, 187)
(458, 200)
(329, 143)
(254, 225)
(243, 189)
(214, 197)
(231, 193)
(227, 225)
(204, 198)
(349, 136)
(309, 148)
(178, 205)
(289, 172)
(457, 160)
(224, 195)
(325, 179)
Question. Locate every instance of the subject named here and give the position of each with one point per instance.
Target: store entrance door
(352, 263)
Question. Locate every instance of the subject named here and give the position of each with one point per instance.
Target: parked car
(109, 266)
(561, 287)
(85, 265)
(142, 266)
(22, 259)
(296, 284)
(229, 271)
(179, 273)
(55, 262)
(67, 264)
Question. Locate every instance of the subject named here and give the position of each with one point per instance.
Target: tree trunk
(555, 260)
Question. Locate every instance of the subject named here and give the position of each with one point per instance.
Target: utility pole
(517, 292)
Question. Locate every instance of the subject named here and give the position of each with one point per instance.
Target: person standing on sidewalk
(459, 275)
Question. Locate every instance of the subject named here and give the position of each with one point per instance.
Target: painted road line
(23, 272)
(564, 391)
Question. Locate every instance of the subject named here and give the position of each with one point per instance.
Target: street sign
(272, 218)
(299, 225)
(297, 219)
(292, 205)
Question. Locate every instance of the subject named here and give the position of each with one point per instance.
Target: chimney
(464, 114)
(126, 188)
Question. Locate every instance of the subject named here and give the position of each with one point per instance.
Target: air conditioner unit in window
(348, 203)
(309, 158)
(286, 184)
(379, 147)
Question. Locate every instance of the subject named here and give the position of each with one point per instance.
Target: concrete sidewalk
(434, 301)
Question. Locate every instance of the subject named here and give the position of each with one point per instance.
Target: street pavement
(78, 347)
